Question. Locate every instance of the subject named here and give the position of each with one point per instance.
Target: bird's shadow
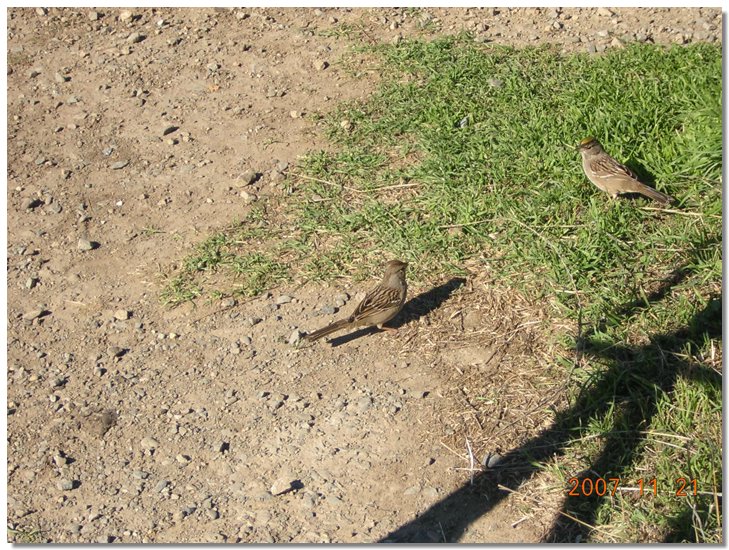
(415, 308)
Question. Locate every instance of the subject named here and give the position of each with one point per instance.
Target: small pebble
(295, 337)
(281, 485)
(122, 314)
(29, 203)
(283, 299)
(33, 314)
(119, 165)
(65, 484)
(320, 64)
(149, 443)
(248, 177)
(161, 485)
(248, 197)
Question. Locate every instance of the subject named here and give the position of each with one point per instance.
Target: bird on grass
(611, 176)
(380, 304)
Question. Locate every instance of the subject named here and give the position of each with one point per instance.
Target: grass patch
(466, 155)
(234, 261)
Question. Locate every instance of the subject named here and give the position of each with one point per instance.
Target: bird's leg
(387, 329)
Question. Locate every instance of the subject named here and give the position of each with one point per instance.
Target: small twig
(454, 225)
(398, 186)
(670, 211)
(352, 189)
(517, 522)
(373, 42)
(470, 456)
(451, 450)
(341, 186)
(565, 514)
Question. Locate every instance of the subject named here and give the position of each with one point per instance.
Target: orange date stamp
(600, 486)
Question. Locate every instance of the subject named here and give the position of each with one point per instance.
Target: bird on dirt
(380, 304)
(611, 176)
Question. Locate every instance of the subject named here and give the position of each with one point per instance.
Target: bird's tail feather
(656, 195)
(335, 326)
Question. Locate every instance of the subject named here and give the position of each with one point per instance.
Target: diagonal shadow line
(676, 277)
(415, 308)
(449, 518)
(620, 451)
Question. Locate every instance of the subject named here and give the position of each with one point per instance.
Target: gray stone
(412, 490)
(283, 299)
(282, 485)
(248, 177)
(363, 404)
(33, 314)
(161, 485)
(65, 484)
(149, 443)
(248, 197)
(430, 492)
(119, 165)
(122, 314)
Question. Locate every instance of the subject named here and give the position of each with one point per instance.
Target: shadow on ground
(637, 377)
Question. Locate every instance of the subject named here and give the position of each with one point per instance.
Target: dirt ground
(128, 134)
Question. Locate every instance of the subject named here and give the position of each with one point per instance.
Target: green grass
(466, 155)
(237, 256)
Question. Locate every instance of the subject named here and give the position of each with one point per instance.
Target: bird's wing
(378, 299)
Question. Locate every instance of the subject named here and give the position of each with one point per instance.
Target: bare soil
(131, 422)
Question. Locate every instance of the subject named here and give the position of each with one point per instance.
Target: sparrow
(380, 304)
(611, 176)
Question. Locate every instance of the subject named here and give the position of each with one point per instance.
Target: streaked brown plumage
(612, 177)
(380, 304)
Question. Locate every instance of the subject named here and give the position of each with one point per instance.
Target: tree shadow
(415, 308)
(637, 377)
